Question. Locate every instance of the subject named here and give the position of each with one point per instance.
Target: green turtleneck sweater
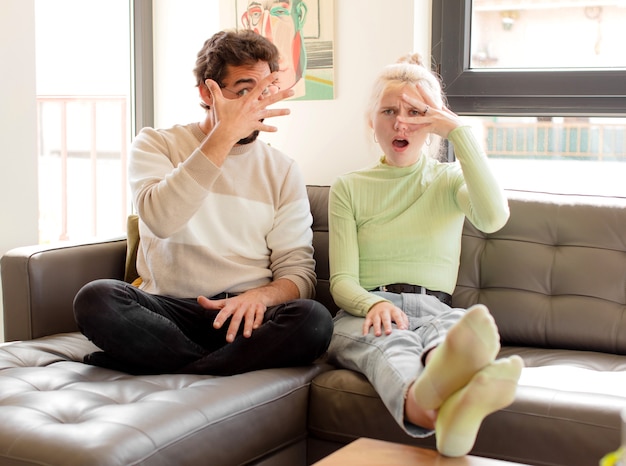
(404, 224)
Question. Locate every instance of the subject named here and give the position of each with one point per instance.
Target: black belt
(224, 295)
(416, 289)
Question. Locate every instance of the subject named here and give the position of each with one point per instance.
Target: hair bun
(412, 58)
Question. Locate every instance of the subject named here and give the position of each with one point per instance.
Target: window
(542, 81)
(83, 51)
(547, 34)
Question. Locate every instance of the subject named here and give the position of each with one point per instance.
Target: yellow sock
(461, 415)
(471, 344)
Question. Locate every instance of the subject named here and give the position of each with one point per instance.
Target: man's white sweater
(206, 229)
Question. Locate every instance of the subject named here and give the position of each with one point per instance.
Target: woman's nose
(399, 125)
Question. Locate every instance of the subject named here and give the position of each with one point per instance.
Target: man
(282, 21)
(225, 257)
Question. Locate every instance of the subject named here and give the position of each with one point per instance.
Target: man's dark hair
(235, 48)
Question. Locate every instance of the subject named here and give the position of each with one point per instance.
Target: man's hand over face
(242, 116)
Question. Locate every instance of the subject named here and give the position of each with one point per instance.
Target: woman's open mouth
(400, 143)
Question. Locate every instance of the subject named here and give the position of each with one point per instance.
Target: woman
(395, 239)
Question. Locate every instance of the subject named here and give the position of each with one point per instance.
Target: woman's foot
(470, 345)
(461, 415)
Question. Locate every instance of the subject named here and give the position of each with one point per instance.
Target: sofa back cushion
(318, 198)
(555, 275)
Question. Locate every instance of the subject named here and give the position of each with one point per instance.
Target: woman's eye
(414, 112)
(388, 111)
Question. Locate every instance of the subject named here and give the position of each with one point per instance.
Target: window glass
(542, 83)
(574, 155)
(83, 88)
(548, 34)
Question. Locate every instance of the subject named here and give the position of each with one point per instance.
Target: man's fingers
(233, 328)
(258, 316)
(250, 315)
(280, 95)
(263, 84)
(221, 317)
(253, 319)
(210, 303)
(213, 88)
(272, 112)
(269, 114)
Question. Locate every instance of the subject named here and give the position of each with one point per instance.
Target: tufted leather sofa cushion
(57, 411)
(555, 275)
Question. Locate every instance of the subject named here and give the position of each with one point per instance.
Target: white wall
(179, 30)
(327, 138)
(18, 177)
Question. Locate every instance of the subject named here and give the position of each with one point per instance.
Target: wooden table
(369, 452)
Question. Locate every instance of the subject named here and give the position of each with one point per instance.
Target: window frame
(142, 66)
(492, 92)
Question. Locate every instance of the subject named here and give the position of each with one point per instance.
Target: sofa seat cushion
(594, 361)
(564, 398)
(55, 410)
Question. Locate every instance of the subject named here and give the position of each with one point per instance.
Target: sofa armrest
(39, 284)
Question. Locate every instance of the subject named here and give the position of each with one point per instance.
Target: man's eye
(243, 92)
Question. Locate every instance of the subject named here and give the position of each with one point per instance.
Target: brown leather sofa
(554, 278)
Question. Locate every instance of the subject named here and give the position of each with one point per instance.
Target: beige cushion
(132, 245)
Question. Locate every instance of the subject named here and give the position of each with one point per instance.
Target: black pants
(148, 334)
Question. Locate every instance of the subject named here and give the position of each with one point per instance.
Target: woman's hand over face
(441, 119)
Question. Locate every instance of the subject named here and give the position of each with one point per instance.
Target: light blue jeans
(392, 362)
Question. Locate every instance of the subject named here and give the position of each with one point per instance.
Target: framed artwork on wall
(303, 32)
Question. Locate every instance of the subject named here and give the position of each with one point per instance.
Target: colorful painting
(303, 32)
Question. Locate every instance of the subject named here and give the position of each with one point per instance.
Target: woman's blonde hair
(409, 69)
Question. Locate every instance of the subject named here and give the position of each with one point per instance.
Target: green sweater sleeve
(480, 198)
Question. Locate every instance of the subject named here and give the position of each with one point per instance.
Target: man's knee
(318, 323)
(92, 297)
(313, 311)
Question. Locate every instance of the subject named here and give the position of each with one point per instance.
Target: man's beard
(249, 139)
